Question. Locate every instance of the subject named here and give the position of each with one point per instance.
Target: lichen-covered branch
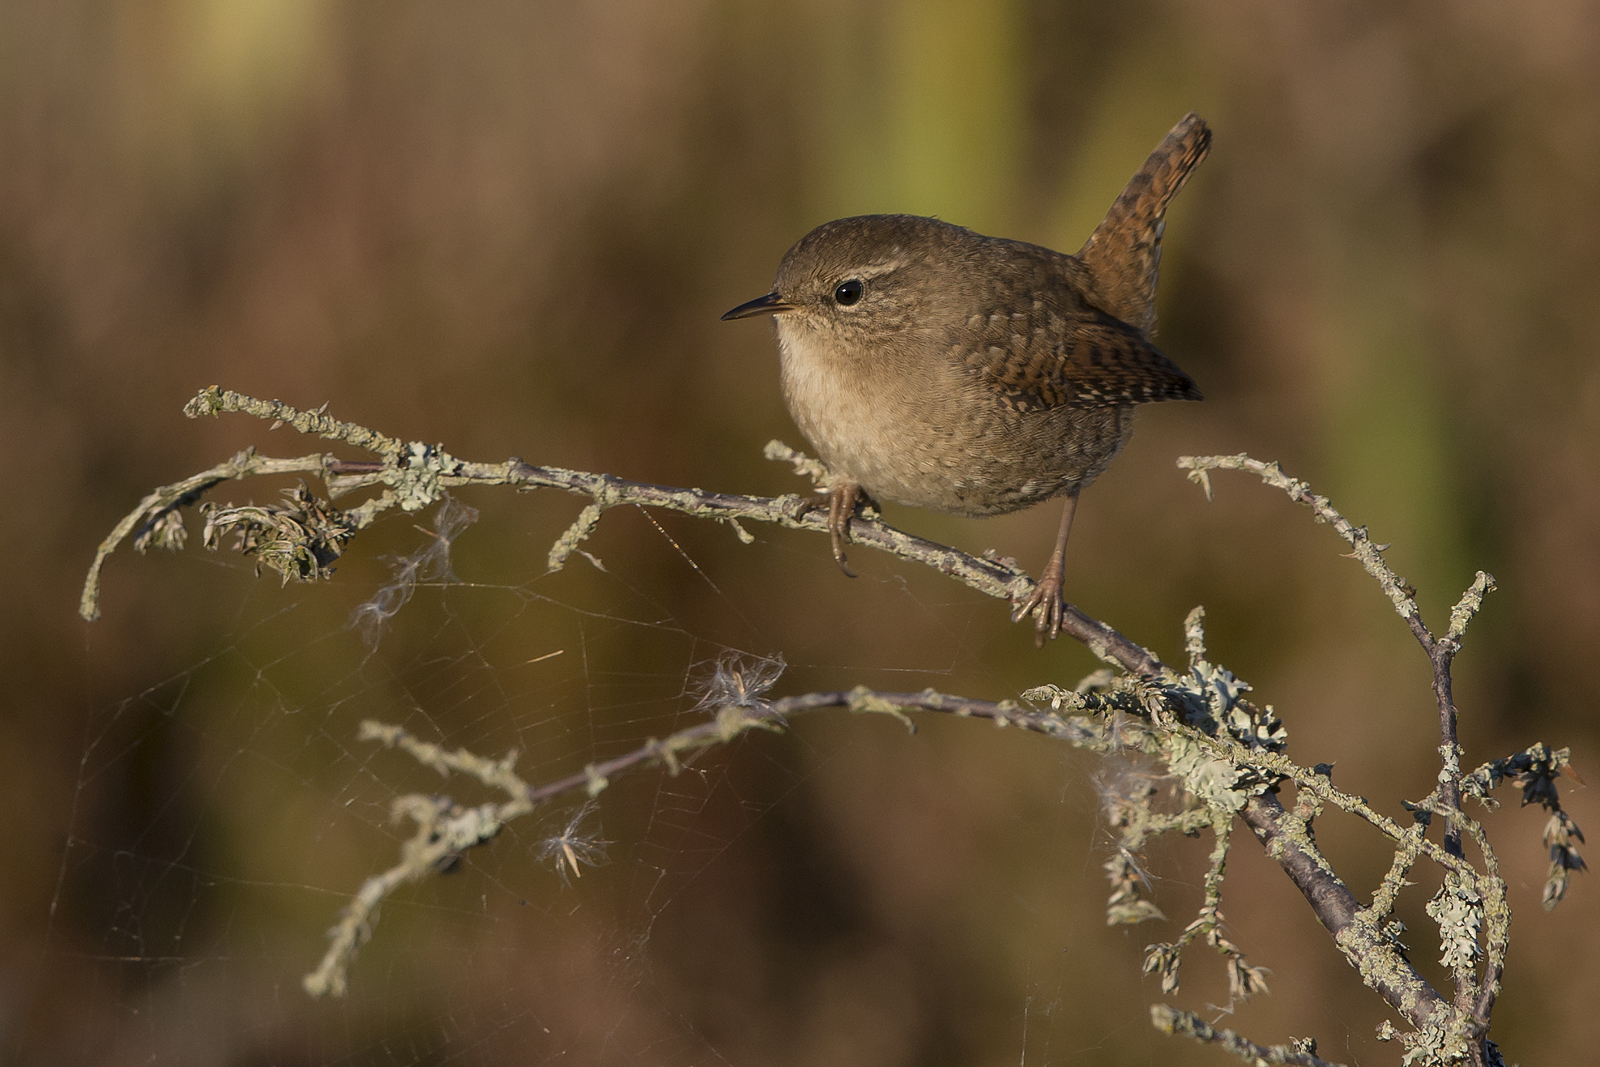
(446, 830)
(1220, 755)
(1367, 551)
(415, 475)
(214, 401)
(1470, 910)
(1299, 1053)
(157, 522)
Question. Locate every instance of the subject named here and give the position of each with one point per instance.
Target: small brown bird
(933, 366)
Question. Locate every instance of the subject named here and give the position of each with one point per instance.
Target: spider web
(707, 916)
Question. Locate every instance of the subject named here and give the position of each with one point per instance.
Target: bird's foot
(1044, 603)
(842, 499)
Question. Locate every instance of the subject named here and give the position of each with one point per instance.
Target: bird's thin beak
(772, 303)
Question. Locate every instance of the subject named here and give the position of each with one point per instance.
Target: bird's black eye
(848, 292)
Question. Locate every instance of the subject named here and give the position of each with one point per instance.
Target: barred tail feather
(1124, 251)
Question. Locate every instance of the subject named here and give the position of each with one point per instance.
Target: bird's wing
(1089, 359)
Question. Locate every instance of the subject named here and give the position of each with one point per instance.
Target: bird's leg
(1046, 595)
(843, 496)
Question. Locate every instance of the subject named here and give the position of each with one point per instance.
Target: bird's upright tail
(1125, 249)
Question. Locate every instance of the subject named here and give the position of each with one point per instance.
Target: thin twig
(414, 475)
(446, 830)
(1187, 1024)
(1472, 999)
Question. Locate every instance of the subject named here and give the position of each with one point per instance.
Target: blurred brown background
(510, 228)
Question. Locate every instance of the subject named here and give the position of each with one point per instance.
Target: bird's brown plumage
(934, 366)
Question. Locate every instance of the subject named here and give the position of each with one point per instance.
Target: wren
(933, 366)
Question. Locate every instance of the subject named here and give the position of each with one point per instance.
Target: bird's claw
(1045, 603)
(841, 500)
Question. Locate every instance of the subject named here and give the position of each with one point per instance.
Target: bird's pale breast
(913, 424)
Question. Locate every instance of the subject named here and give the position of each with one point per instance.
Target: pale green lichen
(1297, 1052)
(576, 534)
(803, 464)
(444, 831)
(1470, 604)
(735, 719)
(1364, 549)
(1458, 910)
(216, 401)
(418, 478)
(864, 701)
(1128, 905)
